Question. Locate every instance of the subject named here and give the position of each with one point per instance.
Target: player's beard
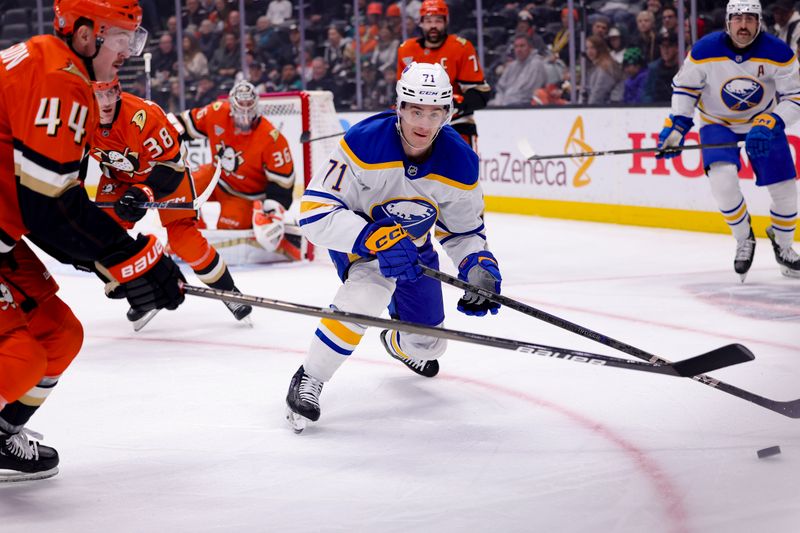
(435, 36)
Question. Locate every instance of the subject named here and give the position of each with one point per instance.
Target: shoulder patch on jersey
(216, 105)
(139, 119)
(462, 41)
(72, 68)
(275, 134)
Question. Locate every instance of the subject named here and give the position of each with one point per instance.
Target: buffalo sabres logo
(229, 158)
(6, 298)
(139, 118)
(417, 216)
(127, 161)
(742, 94)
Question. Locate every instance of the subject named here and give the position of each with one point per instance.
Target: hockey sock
(783, 211)
(225, 281)
(16, 414)
(333, 341)
(724, 180)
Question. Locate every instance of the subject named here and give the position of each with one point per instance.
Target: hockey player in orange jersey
(257, 179)
(141, 160)
(459, 59)
(47, 112)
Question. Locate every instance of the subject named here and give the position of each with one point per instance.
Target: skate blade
(12, 476)
(742, 277)
(142, 322)
(297, 422)
(789, 273)
(247, 321)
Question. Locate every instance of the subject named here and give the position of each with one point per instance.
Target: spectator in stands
(787, 22)
(604, 83)
(258, 76)
(193, 13)
(394, 21)
(164, 59)
(385, 53)
(654, 7)
(388, 94)
(206, 92)
(207, 38)
(172, 27)
(371, 88)
(658, 87)
(412, 11)
(635, 76)
(550, 94)
(647, 37)
(525, 27)
(321, 80)
(290, 79)
(561, 40)
(265, 35)
(232, 22)
(278, 11)
(290, 52)
(600, 26)
(669, 20)
(334, 49)
(219, 14)
(368, 41)
(195, 62)
(225, 61)
(521, 77)
(615, 45)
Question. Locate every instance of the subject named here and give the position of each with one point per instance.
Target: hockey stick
(147, 56)
(713, 360)
(194, 205)
(787, 408)
(305, 137)
(528, 153)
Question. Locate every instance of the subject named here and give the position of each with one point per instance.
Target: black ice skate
(420, 366)
(786, 257)
(141, 318)
(23, 459)
(745, 250)
(241, 312)
(302, 400)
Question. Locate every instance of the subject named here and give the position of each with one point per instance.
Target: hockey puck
(769, 452)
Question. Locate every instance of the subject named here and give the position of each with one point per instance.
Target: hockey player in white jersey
(745, 85)
(393, 178)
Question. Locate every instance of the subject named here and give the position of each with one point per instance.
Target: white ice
(180, 427)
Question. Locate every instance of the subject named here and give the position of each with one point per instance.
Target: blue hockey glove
(673, 135)
(388, 241)
(479, 269)
(767, 128)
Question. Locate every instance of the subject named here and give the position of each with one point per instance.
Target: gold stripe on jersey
(450, 182)
(368, 166)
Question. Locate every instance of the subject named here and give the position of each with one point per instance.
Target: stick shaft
(304, 140)
(636, 151)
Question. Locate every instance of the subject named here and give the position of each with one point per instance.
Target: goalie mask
(244, 106)
(743, 7)
(424, 99)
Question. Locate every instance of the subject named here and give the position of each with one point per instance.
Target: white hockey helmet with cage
(245, 109)
(743, 7)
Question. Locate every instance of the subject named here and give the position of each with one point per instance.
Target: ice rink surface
(180, 427)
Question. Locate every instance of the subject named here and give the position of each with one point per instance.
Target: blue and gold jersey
(369, 178)
(730, 86)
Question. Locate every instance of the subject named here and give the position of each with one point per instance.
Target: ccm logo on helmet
(430, 93)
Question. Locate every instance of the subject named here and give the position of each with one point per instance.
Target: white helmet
(742, 7)
(244, 105)
(425, 83)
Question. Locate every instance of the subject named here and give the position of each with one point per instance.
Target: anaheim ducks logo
(126, 162)
(6, 298)
(229, 158)
(742, 94)
(139, 119)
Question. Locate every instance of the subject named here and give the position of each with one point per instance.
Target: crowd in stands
(631, 47)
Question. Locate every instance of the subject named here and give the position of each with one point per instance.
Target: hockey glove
(388, 241)
(151, 280)
(673, 135)
(479, 269)
(125, 208)
(767, 128)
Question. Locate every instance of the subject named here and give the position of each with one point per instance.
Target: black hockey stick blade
(305, 136)
(729, 355)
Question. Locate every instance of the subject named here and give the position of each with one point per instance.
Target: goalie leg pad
(268, 223)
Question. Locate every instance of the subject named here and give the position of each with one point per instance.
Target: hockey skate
(141, 318)
(745, 251)
(420, 366)
(786, 257)
(302, 400)
(23, 459)
(241, 312)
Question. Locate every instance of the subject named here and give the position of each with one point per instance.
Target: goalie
(257, 181)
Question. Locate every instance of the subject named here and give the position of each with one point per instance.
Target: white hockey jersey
(730, 86)
(369, 178)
